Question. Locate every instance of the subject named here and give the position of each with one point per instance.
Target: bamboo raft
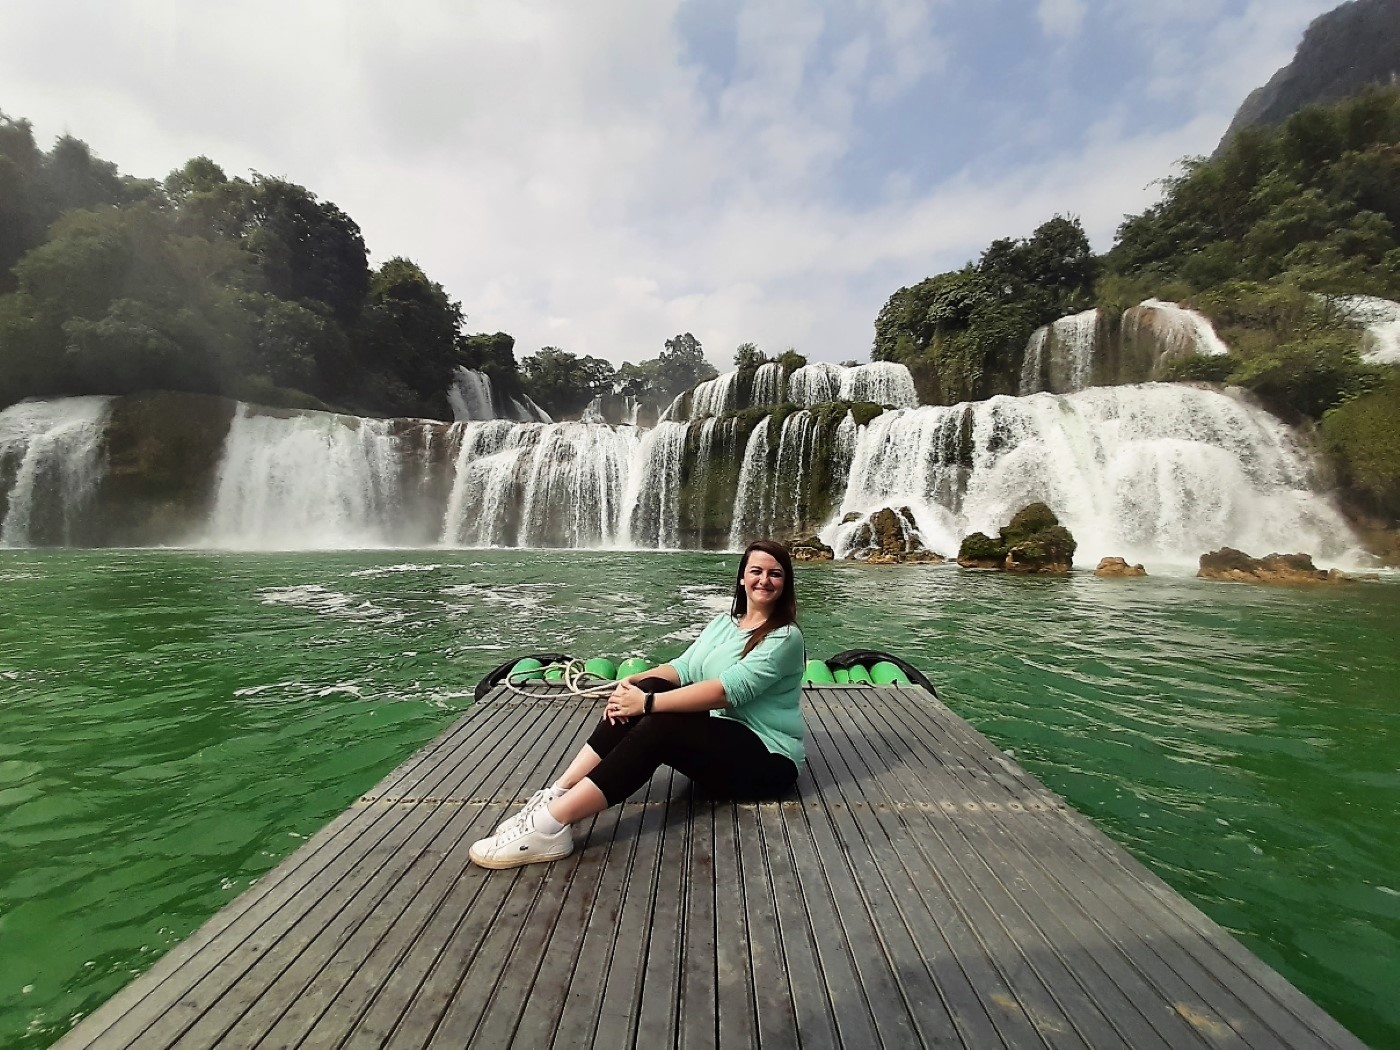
(918, 888)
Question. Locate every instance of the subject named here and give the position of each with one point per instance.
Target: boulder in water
(1118, 567)
(1230, 564)
(810, 548)
(890, 537)
(1034, 542)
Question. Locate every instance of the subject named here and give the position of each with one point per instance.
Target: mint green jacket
(764, 689)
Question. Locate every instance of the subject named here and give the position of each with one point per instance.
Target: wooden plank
(354, 960)
(1211, 993)
(698, 1005)
(622, 988)
(658, 1012)
(947, 970)
(525, 1006)
(922, 889)
(811, 996)
(737, 1022)
(340, 899)
(164, 1003)
(1067, 932)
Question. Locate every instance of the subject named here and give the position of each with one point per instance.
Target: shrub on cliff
(1363, 434)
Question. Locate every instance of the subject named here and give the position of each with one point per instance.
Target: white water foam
(312, 479)
(1157, 472)
(51, 463)
(1381, 319)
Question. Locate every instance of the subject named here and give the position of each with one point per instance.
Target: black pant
(723, 756)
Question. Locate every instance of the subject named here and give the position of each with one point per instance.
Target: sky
(600, 176)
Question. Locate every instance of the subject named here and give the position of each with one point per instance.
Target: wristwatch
(650, 699)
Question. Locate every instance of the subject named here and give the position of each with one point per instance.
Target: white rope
(575, 675)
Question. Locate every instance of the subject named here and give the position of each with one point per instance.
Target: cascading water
(769, 385)
(537, 485)
(473, 399)
(1073, 341)
(714, 397)
(311, 479)
(652, 504)
(1180, 332)
(50, 467)
(753, 502)
(1381, 319)
(1033, 364)
(814, 384)
(470, 396)
(883, 382)
(1160, 473)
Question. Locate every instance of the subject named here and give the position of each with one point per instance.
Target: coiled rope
(574, 676)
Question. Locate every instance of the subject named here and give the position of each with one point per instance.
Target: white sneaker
(522, 843)
(542, 797)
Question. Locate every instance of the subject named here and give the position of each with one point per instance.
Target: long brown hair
(784, 611)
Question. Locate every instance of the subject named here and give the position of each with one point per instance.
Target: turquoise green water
(173, 723)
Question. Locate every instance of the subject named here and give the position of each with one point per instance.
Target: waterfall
(1155, 472)
(470, 396)
(474, 398)
(769, 385)
(1033, 364)
(814, 384)
(1180, 332)
(1060, 356)
(882, 382)
(652, 505)
(753, 502)
(310, 479)
(50, 466)
(1381, 319)
(537, 485)
(714, 397)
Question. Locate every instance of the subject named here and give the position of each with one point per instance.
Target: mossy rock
(980, 551)
(163, 455)
(1034, 542)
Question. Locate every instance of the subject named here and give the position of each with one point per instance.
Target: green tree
(307, 248)
(563, 383)
(748, 355)
(682, 365)
(408, 332)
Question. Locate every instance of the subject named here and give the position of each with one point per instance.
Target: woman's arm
(628, 700)
(665, 671)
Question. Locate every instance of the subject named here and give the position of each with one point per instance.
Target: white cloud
(1061, 18)
(569, 174)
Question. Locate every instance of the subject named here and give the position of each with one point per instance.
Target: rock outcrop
(810, 548)
(1230, 564)
(1117, 567)
(890, 537)
(1354, 45)
(1034, 542)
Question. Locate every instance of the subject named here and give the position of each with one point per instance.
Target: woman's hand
(627, 701)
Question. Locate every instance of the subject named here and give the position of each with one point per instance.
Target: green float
(554, 674)
(886, 673)
(632, 665)
(842, 676)
(526, 670)
(601, 667)
(817, 673)
(859, 675)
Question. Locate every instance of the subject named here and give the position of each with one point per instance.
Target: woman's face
(763, 581)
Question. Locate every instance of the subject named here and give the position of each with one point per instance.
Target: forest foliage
(250, 288)
(1266, 239)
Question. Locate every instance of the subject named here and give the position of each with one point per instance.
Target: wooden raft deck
(917, 889)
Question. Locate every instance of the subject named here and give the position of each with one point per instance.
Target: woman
(726, 713)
